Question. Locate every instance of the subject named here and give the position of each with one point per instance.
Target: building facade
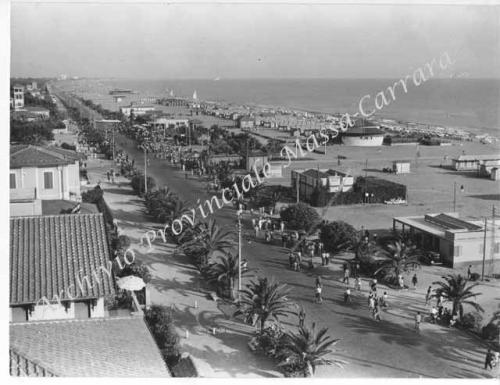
(459, 242)
(42, 173)
(472, 162)
(331, 181)
(18, 96)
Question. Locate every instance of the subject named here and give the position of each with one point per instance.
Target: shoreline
(99, 92)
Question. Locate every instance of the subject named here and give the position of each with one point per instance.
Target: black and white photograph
(252, 190)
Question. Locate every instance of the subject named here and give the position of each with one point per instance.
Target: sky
(250, 40)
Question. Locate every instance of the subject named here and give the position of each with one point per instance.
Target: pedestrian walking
(418, 319)
(401, 282)
(376, 312)
(414, 280)
(282, 226)
(385, 298)
(347, 295)
(318, 291)
(357, 284)
(327, 259)
(428, 295)
(107, 175)
(346, 276)
(371, 302)
(469, 272)
(489, 360)
(323, 259)
(256, 228)
(302, 317)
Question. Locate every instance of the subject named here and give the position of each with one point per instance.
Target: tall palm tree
(225, 270)
(212, 239)
(398, 258)
(455, 290)
(305, 350)
(266, 299)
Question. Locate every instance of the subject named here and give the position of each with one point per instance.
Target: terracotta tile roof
(36, 156)
(48, 253)
(99, 347)
(20, 366)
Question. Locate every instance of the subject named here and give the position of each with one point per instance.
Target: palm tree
(225, 270)
(398, 258)
(265, 299)
(306, 349)
(454, 289)
(210, 240)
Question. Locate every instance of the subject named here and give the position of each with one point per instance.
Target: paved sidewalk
(176, 283)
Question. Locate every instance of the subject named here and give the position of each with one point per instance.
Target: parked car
(431, 258)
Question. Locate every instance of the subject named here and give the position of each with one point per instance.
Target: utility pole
(297, 176)
(484, 246)
(239, 255)
(455, 196)
(114, 124)
(145, 170)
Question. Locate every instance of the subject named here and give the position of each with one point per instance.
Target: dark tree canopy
(300, 216)
(338, 236)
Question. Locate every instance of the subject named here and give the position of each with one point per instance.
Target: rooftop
(439, 224)
(37, 156)
(99, 347)
(464, 158)
(48, 253)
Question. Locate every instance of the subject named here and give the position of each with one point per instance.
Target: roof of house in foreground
(48, 253)
(98, 347)
(36, 156)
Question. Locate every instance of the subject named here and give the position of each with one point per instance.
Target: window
(13, 181)
(457, 251)
(497, 248)
(48, 182)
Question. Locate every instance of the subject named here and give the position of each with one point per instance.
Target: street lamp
(238, 214)
(145, 169)
(462, 189)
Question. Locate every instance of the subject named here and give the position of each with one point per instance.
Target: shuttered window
(48, 182)
(13, 181)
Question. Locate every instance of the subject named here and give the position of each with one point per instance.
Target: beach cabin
(495, 173)
(472, 162)
(401, 166)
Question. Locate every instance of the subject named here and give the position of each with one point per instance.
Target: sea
(472, 104)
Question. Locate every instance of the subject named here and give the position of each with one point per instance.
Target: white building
(136, 109)
(18, 96)
(41, 173)
(363, 134)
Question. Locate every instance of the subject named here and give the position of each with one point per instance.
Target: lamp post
(238, 213)
(455, 195)
(145, 170)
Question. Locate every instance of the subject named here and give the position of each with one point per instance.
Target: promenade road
(389, 348)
